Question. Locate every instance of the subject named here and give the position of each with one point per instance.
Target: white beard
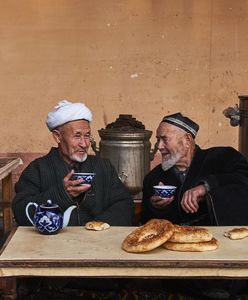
(78, 159)
(170, 162)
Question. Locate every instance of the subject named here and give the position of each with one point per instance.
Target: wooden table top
(75, 248)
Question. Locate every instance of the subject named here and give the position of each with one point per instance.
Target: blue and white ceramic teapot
(48, 218)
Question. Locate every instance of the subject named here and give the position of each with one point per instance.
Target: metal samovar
(126, 144)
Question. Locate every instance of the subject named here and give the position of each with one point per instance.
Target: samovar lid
(125, 126)
(126, 122)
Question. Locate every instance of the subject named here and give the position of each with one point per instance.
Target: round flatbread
(192, 247)
(97, 225)
(190, 234)
(148, 236)
(237, 233)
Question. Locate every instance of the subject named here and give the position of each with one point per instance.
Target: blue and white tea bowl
(87, 177)
(164, 191)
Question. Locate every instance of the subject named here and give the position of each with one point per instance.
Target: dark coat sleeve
(229, 188)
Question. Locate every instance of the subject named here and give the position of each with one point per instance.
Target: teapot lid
(49, 204)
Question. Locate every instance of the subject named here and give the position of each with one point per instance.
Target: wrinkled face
(172, 143)
(73, 140)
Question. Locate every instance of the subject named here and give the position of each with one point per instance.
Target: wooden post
(7, 198)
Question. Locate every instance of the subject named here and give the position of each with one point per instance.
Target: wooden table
(7, 166)
(81, 253)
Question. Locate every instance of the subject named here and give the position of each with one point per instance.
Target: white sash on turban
(66, 112)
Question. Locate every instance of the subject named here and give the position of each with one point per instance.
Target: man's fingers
(68, 176)
(190, 203)
(185, 202)
(78, 188)
(190, 207)
(159, 202)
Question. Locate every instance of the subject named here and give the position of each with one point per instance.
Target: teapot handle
(27, 214)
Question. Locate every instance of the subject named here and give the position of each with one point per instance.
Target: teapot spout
(67, 215)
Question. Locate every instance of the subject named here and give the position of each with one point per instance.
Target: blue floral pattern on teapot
(48, 218)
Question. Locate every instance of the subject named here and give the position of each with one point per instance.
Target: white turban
(65, 112)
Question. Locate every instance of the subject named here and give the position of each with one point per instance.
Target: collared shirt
(181, 175)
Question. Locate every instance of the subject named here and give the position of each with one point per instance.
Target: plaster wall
(147, 58)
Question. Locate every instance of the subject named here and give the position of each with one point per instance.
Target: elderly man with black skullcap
(50, 176)
(212, 184)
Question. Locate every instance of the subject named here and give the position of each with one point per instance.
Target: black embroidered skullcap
(183, 122)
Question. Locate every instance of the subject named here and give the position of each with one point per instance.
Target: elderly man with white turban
(50, 176)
